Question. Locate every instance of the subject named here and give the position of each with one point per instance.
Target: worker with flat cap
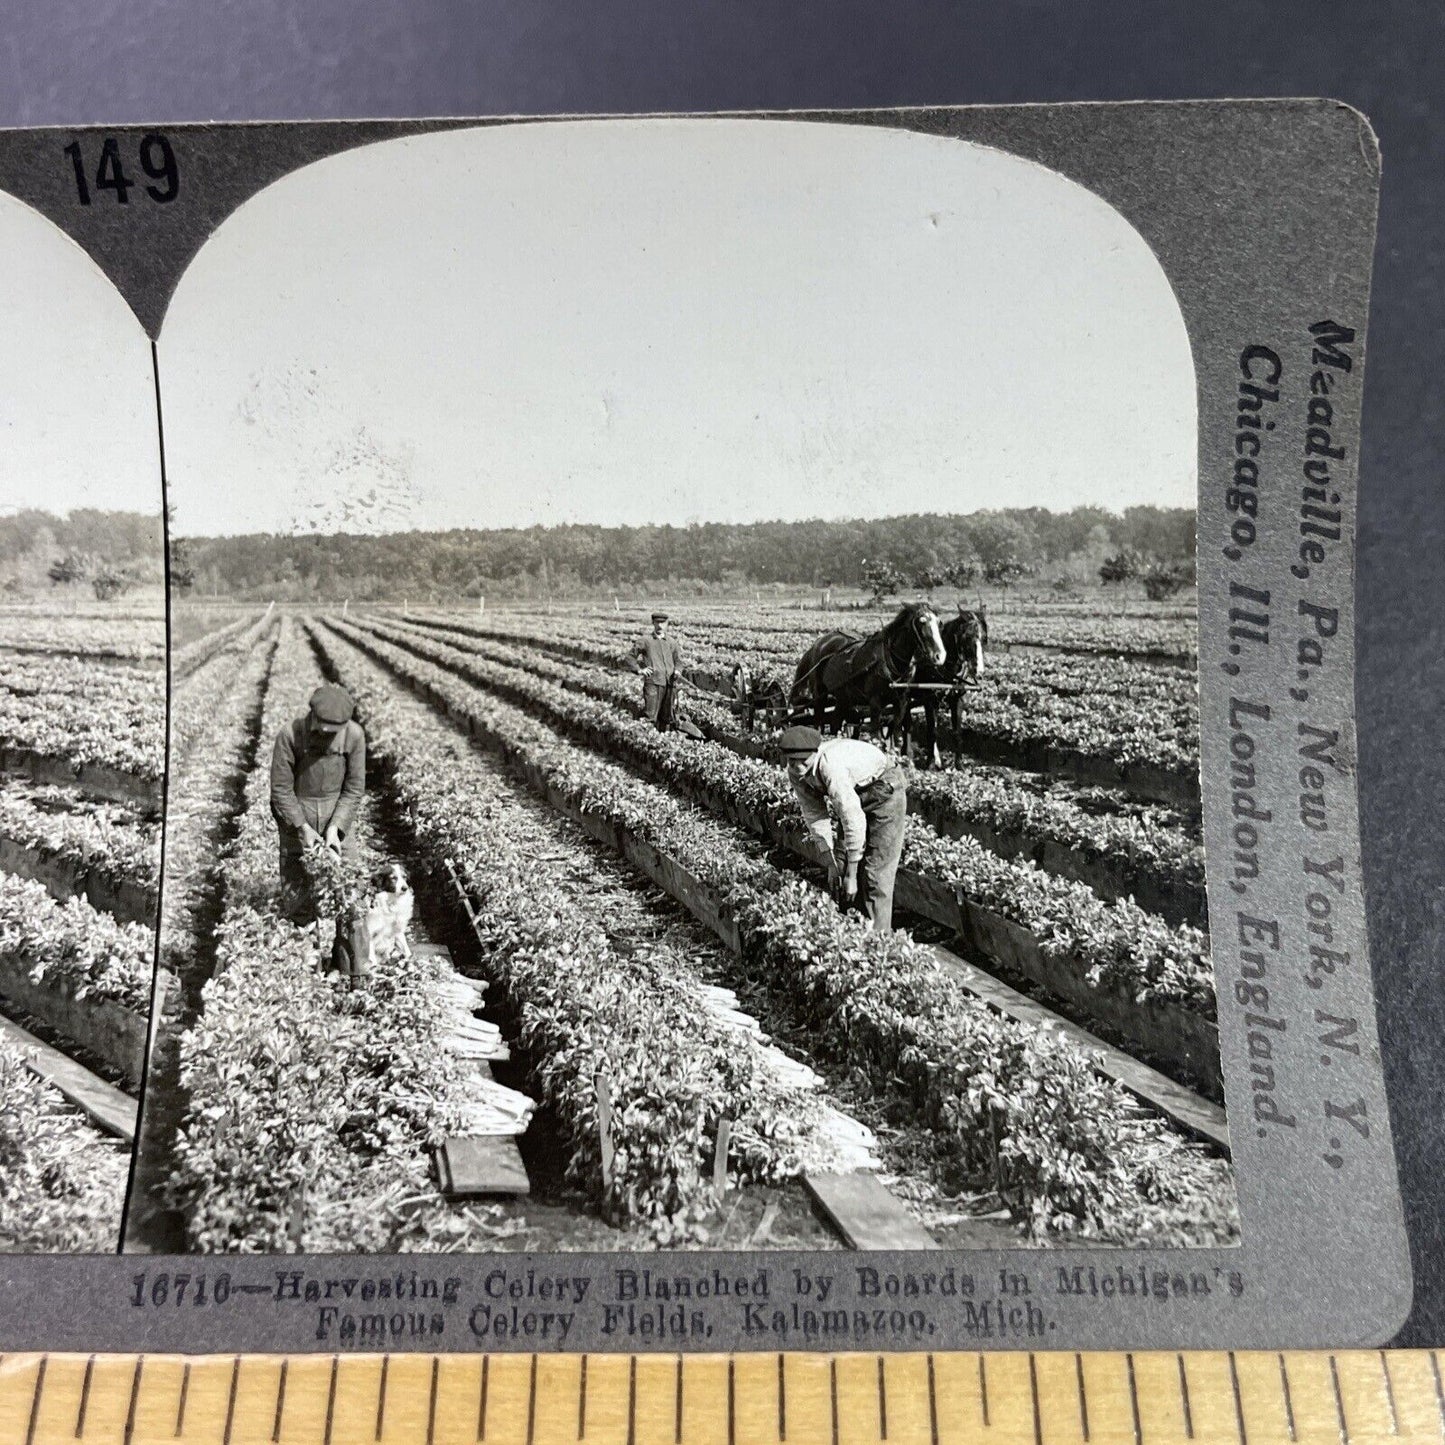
(868, 795)
(659, 659)
(318, 777)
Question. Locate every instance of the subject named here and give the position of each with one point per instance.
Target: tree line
(104, 552)
(577, 560)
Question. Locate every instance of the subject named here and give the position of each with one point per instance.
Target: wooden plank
(103, 1104)
(1183, 1105)
(865, 1213)
(470, 1168)
(104, 1028)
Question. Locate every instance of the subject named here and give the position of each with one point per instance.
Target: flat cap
(800, 740)
(332, 705)
(661, 617)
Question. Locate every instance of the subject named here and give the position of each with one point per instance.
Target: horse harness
(861, 661)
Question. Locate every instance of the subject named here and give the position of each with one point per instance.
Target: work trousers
(657, 703)
(885, 805)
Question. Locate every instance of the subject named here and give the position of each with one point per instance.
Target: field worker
(868, 795)
(318, 777)
(659, 660)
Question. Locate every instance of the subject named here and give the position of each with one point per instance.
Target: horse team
(848, 678)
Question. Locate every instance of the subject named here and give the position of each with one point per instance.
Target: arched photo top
(664, 321)
(77, 397)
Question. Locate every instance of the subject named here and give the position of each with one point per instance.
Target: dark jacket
(663, 655)
(316, 786)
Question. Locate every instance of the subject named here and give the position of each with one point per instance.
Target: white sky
(77, 401)
(670, 321)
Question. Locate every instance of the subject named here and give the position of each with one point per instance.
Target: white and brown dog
(389, 914)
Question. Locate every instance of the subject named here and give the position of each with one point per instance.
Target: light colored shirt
(839, 768)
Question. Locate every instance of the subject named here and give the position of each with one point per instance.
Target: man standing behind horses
(868, 795)
(659, 660)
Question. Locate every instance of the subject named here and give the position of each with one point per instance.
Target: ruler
(1146, 1398)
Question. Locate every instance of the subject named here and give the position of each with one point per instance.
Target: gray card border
(1262, 215)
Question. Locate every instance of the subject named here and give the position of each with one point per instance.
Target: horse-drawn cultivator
(876, 682)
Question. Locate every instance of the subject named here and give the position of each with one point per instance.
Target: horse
(965, 638)
(858, 673)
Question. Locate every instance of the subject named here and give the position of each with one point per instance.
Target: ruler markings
(134, 1396)
(532, 1401)
(1339, 1402)
(632, 1400)
(183, 1396)
(782, 1400)
(677, 1404)
(331, 1399)
(85, 1398)
(1186, 1407)
(380, 1396)
(35, 1401)
(1372, 1388)
(431, 1409)
(1389, 1394)
(1376, 1394)
(1415, 1395)
(1163, 1416)
(732, 1405)
(1034, 1397)
(1133, 1398)
(1238, 1400)
(231, 1401)
(280, 1403)
(1288, 1398)
(932, 1405)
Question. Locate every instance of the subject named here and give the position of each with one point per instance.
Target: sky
(669, 321)
(77, 399)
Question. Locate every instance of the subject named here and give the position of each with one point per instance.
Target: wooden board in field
(102, 1103)
(865, 1213)
(476, 1166)
(472, 1168)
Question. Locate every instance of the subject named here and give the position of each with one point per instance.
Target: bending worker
(659, 660)
(868, 795)
(318, 777)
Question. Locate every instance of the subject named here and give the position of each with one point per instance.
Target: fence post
(604, 1127)
(720, 1158)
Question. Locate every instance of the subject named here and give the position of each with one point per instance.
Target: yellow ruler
(1347, 1398)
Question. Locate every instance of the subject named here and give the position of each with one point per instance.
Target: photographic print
(82, 736)
(759, 743)
(705, 748)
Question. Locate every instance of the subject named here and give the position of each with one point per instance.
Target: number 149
(157, 160)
